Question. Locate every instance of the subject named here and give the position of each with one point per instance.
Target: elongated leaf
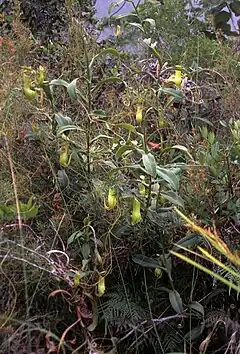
(31, 213)
(67, 128)
(107, 80)
(163, 288)
(214, 260)
(62, 178)
(196, 306)
(176, 301)
(30, 202)
(182, 148)
(63, 120)
(74, 237)
(127, 126)
(151, 21)
(94, 323)
(138, 25)
(120, 151)
(47, 89)
(173, 198)
(133, 167)
(230, 284)
(100, 137)
(105, 52)
(72, 89)
(222, 17)
(130, 17)
(177, 95)
(187, 241)
(167, 175)
(99, 113)
(194, 333)
(152, 48)
(146, 261)
(149, 163)
(59, 82)
(156, 53)
(203, 120)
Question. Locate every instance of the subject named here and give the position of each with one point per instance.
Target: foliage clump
(104, 155)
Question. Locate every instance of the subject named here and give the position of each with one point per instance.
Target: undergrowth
(98, 147)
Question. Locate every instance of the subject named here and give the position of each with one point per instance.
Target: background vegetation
(119, 171)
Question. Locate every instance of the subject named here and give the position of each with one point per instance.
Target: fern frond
(120, 310)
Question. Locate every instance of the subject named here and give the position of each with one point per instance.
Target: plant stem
(88, 126)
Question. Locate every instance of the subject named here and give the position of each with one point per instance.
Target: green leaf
(182, 148)
(59, 82)
(166, 261)
(63, 178)
(213, 171)
(138, 25)
(100, 137)
(203, 120)
(120, 151)
(94, 323)
(127, 126)
(177, 95)
(63, 120)
(202, 157)
(105, 52)
(85, 250)
(67, 128)
(99, 113)
(176, 301)
(136, 167)
(72, 89)
(107, 80)
(211, 138)
(196, 306)
(167, 175)
(169, 102)
(235, 7)
(128, 17)
(151, 21)
(30, 203)
(173, 198)
(187, 241)
(204, 132)
(74, 237)
(226, 28)
(31, 213)
(153, 49)
(156, 53)
(194, 333)
(47, 89)
(221, 17)
(149, 163)
(146, 261)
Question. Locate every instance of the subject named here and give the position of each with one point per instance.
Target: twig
(30, 263)
(156, 321)
(23, 225)
(48, 260)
